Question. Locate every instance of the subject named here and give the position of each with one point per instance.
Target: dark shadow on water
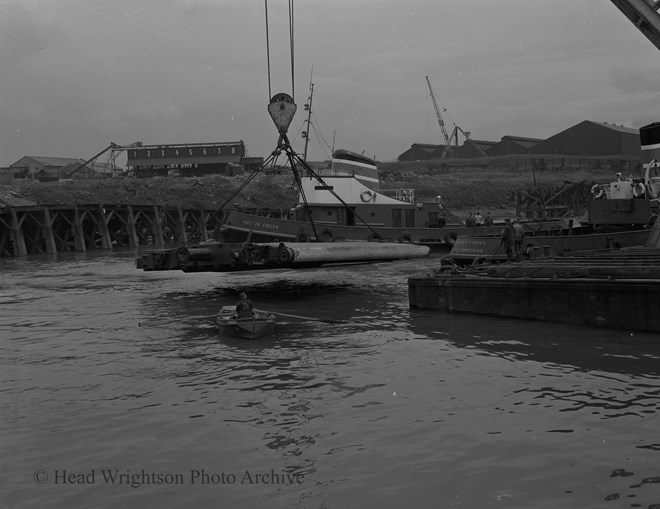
(582, 347)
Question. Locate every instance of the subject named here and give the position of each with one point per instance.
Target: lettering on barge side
(252, 223)
(476, 247)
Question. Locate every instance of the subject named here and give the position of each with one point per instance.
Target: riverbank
(462, 188)
(188, 193)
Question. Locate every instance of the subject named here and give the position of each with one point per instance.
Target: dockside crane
(441, 122)
(449, 149)
(113, 146)
(644, 15)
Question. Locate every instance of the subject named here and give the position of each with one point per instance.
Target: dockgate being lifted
(214, 256)
(229, 257)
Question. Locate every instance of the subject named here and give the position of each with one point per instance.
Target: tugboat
(346, 202)
(621, 214)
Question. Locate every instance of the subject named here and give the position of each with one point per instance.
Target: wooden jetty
(29, 230)
(617, 288)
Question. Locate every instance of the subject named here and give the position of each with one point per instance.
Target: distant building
(587, 138)
(422, 152)
(592, 139)
(510, 145)
(5, 175)
(471, 150)
(191, 159)
(30, 166)
(106, 170)
(252, 164)
(426, 152)
(72, 170)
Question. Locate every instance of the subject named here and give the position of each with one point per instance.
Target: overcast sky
(76, 75)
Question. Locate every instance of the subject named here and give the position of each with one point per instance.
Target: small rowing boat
(260, 324)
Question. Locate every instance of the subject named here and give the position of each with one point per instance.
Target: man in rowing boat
(244, 307)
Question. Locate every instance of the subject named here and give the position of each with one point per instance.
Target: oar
(301, 317)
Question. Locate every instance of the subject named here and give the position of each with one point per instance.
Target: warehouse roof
(49, 161)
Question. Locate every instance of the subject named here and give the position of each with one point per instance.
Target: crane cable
(267, 49)
(291, 48)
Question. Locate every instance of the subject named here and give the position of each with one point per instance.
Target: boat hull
(484, 249)
(618, 304)
(240, 226)
(260, 325)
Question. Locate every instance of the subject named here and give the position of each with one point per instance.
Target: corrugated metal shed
(53, 162)
(509, 145)
(468, 150)
(422, 152)
(592, 139)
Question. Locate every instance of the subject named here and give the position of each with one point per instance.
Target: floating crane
(449, 149)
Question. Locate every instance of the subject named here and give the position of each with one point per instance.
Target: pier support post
(51, 247)
(181, 226)
(106, 241)
(203, 216)
(133, 239)
(19, 239)
(7, 240)
(78, 232)
(158, 228)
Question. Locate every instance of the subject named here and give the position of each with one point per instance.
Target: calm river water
(118, 391)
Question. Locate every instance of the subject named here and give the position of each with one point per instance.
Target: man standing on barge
(507, 238)
(518, 237)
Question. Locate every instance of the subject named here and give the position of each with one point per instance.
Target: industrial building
(142, 161)
(592, 139)
(510, 145)
(587, 138)
(49, 167)
(194, 159)
(426, 152)
(422, 152)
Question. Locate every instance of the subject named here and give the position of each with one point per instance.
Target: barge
(615, 288)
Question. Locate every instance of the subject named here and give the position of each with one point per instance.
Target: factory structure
(586, 139)
(191, 160)
(142, 161)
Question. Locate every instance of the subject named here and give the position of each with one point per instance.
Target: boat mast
(308, 108)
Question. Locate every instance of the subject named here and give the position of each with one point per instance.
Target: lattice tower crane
(441, 122)
(454, 134)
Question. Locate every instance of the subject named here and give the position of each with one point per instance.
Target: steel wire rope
(270, 94)
(291, 49)
(284, 143)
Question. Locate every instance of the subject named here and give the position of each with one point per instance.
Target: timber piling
(41, 229)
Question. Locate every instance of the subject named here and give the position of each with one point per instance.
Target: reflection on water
(367, 403)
